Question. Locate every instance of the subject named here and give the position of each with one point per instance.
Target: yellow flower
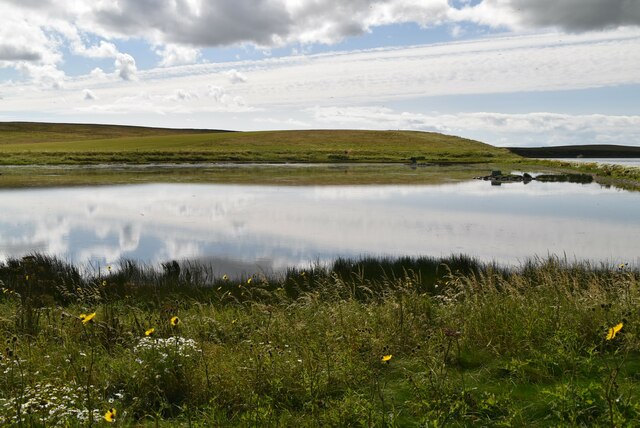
(386, 358)
(26, 277)
(249, 281)
(225, 277)
(104, 283)
(110, 416)
(109, 268)
(175, 321)
(613, 331)
(85, 318)
(150, 332)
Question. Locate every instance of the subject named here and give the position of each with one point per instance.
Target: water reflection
(270, 227)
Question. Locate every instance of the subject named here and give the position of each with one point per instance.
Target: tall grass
(465, 344)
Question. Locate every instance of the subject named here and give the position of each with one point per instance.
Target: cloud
(177, 55)
(126, 67)
(235, 76)
(577, 15)
(14, 53)
(537, 128)
(567, 15)
(88, 95)
(180, 27)
(102, 50)
(496, 65)
(209, 99)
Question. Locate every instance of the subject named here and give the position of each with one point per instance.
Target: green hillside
(22, 143)
(34, 132)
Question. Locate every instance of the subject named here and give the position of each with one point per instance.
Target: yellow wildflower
(150, 332)
(225, 277)
(175, 321)
(613, 331)
(386, 358)
(110, 416)
(85, 318)
(249, 281)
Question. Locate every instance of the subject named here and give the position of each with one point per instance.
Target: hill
(30, 143)
(37, 132)
(581, 151)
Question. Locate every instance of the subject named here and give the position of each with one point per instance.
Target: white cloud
(126, 67)
(498, 65)
(179, 28)
(102, 50)
(34, 31)
(172, 54)
(538, 128)
(179, 101)
(235, 76)
(98, 74)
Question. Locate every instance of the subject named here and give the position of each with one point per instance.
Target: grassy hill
(30, 143)
(34, 132)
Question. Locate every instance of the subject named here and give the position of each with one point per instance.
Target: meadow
(26, 145)
(372, 342)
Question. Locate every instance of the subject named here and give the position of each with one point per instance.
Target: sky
(506, 72)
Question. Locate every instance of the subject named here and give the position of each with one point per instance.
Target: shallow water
(242, 228)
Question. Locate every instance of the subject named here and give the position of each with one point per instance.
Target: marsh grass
(470, 344)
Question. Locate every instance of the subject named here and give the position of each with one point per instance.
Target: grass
(35, 132)
(470, 344)
(24, 147)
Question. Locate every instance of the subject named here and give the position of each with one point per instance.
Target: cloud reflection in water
(275, 227)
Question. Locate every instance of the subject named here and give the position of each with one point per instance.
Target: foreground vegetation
(174, 146)
(362, 343)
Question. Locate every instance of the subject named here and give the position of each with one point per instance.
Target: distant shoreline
(607, 151)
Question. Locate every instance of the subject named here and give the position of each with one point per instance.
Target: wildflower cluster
(48, 404)
(175, 346)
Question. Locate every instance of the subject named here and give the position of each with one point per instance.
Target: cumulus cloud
(235, 76)
(172, 54)
(26, 47)
(126, 67)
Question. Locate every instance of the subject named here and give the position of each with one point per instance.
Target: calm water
(243, 228)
